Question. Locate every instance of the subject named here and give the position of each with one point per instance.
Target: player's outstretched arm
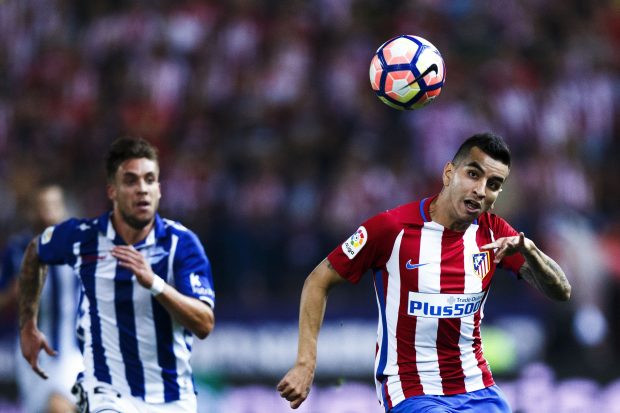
(31, 280)
(539, 270)
(192, 313)
(295, 385)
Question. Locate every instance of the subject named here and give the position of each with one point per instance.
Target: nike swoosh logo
(411, 266)
(431, 68)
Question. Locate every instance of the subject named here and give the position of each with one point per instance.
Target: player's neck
(128, 233)
(440, 213)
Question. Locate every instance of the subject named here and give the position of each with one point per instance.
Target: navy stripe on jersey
(79, 336)
(187, 335)
(165, 351)
(87, 274)
(163, 330)
(79, 299)
(54, 306)
(123, 303)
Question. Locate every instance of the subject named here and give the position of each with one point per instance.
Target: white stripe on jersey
(104, 275)
(174, 240)
(145, 334)
(392, 304)
(473, 284)
(395, 390)
(84, 318)
(427, 359)
(179, 345)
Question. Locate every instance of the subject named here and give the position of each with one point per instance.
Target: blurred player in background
(57, 315)
(433, 261)
(147, 287)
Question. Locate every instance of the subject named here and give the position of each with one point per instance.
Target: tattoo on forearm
(547, 276)
(32, 277)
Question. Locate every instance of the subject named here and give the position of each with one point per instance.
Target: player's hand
(132, 259)
(507, 246)
(31, 341)
(295, 385)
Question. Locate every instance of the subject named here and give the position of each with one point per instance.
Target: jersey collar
(104, 222)
(425, 209)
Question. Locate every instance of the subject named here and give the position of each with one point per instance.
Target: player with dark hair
(147, 286)
(59, 301)
(433, 261)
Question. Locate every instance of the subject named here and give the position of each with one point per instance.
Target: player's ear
(448, 171)
(111, 191)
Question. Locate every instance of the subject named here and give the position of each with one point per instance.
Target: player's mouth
(143, 205)
(473, 207)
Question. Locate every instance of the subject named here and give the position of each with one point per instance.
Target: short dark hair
(489, 143)
(126, 148)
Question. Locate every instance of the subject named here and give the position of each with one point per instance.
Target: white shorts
(101, 397)
(61, 370)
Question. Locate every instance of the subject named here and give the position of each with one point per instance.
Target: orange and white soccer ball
(407, 72)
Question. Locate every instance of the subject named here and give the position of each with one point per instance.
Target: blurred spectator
(58, 311)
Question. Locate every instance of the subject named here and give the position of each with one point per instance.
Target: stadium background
(274, 148)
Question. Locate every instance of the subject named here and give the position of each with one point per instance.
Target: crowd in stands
(274, 147)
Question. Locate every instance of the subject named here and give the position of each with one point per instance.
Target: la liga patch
(355, 243)
(47, 235)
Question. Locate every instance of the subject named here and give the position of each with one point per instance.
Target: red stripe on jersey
(487, 377)
(449, 329)
(405, 330)
(483, 238)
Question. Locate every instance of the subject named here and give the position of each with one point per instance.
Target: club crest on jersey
(481, 263)
(47, 235)
(355, 243)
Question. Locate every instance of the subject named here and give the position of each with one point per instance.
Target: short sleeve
(55, 244)
(502, 229)
(369, 247)
(192, 269)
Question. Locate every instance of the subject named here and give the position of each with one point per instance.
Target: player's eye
(494, 186)
(473, 174)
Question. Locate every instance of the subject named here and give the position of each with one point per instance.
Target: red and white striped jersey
(431, 284)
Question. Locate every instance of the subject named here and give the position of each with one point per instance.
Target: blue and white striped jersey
(129, 340)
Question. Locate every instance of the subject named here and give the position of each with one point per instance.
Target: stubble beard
(134, 222)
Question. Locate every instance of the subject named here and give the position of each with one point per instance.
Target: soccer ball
(407, 72)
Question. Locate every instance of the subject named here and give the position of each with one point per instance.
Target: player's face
(473, 185)
(135, 191)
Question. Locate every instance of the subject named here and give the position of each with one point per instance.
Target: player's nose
(142, 186)
(479, 189)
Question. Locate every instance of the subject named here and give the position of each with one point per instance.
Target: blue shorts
(488, 400)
